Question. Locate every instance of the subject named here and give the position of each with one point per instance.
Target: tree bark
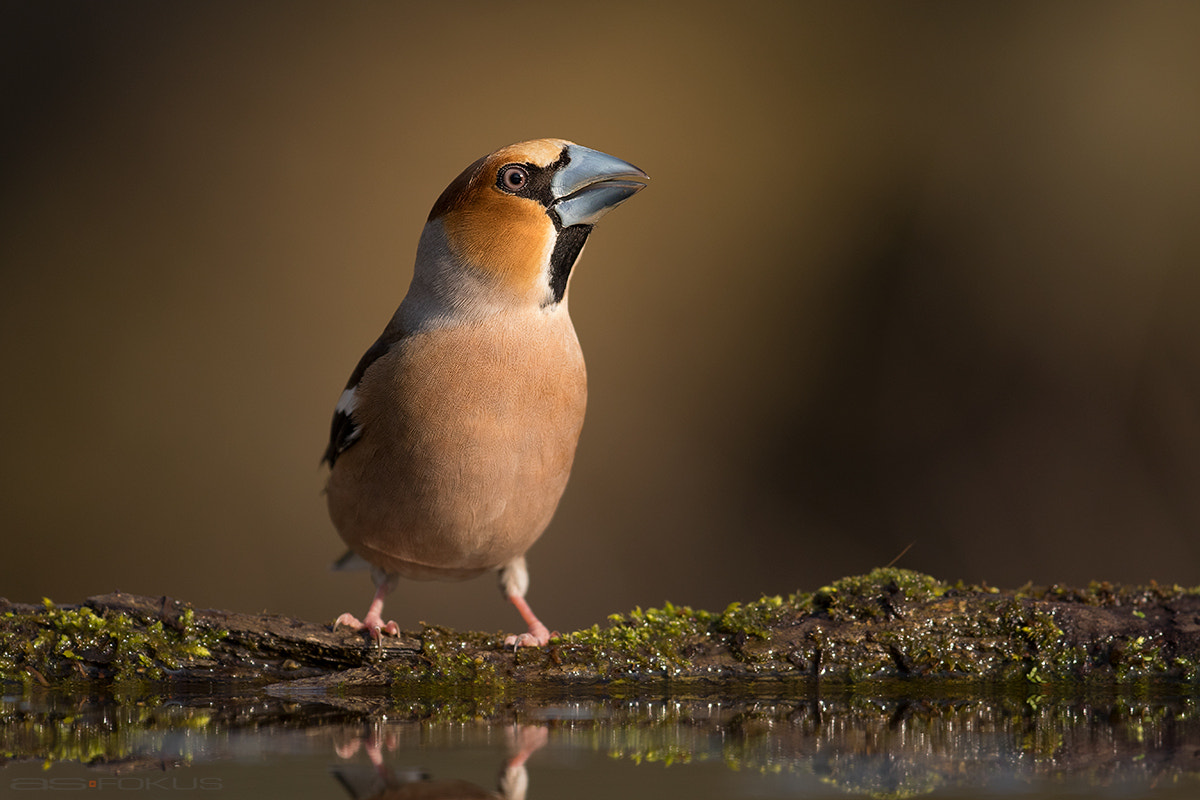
(889, 627)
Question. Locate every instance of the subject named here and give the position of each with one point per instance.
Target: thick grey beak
(592, 184)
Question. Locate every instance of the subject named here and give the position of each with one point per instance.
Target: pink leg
(524, 741)
(538, 635)
(514, 780)
(373, 621)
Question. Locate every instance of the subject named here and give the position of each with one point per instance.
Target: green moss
(753, 619)
(889, 624)
(447, 659)
(1105, 595)
(58, 727)
(909, 625)
(444, 704)
(877, 594)
(656, 640)
(75, 644)
(886, 626)
(664, 641)
(456, 679)
(1187, 668)
(1137, 657)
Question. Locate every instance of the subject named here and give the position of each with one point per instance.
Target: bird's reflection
(379, 782)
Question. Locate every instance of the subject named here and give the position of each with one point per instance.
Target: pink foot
(372, 623)
(538, 636)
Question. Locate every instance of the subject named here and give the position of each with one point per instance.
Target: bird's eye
(513, 178)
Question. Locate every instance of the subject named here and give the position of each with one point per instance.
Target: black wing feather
(344, 430)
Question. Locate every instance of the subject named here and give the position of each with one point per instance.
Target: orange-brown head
(512, 225)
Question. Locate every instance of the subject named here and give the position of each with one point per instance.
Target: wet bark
(886, 627)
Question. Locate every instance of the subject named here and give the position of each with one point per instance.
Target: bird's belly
(464, 475)
(464, 513)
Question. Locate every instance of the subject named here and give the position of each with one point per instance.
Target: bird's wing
(344, 430)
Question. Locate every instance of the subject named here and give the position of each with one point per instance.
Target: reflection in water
(844, 743)
(379, 782)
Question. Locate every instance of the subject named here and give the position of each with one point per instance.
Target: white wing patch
(347, 402)
(343, 431)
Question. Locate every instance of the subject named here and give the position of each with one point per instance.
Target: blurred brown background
(907, 272)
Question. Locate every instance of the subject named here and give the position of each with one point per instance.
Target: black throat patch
(567, 247)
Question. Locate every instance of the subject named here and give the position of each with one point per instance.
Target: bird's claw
(349, 621)
(373, 624)
(536, 637)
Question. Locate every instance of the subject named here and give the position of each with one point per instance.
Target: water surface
(819, 745)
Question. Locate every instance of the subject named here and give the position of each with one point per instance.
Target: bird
(452, 443)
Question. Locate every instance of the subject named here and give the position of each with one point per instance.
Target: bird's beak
(592, 184)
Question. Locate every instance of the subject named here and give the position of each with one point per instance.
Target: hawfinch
(453, 440)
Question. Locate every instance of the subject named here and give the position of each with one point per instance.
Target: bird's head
(511, 226)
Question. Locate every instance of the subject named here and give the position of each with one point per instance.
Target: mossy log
(892, 626)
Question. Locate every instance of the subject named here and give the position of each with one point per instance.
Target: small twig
(892, 563)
